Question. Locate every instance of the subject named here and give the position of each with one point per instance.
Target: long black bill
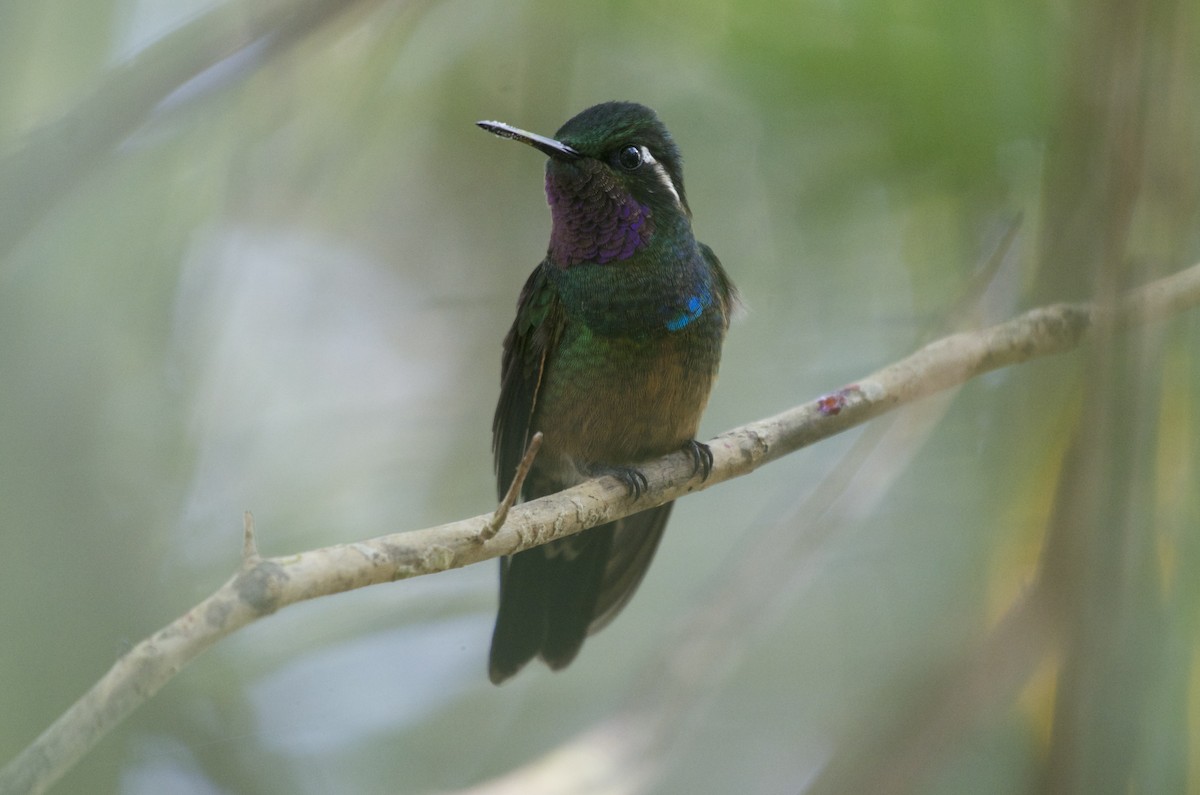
(551, 147)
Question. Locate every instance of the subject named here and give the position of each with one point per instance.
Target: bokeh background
(255, 255)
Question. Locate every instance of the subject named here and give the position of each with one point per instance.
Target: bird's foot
(701, 457)
(631, 477)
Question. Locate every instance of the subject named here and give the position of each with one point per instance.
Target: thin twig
(514, 490)
(250, 556)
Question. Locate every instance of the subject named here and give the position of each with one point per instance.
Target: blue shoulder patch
(693, 308)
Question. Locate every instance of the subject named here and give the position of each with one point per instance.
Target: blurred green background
(257, 256)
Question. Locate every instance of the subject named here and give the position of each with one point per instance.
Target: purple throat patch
(594, 222)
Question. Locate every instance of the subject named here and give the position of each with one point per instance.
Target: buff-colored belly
(616, 402)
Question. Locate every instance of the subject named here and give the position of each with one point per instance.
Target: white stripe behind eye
(663, 176)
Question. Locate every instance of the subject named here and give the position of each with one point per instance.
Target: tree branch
(263, 586)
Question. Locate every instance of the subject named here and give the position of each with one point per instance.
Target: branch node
(514, 491)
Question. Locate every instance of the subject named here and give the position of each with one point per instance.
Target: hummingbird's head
(613, 178)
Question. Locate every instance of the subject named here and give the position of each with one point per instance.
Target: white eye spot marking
(663, 176)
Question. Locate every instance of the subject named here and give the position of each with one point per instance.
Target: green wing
(531, 338)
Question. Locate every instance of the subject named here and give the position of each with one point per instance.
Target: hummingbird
(611, 357)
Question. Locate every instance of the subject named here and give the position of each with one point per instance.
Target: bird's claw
(631, 477)
(701, 457)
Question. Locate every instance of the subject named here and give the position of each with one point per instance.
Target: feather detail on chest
(663, 288)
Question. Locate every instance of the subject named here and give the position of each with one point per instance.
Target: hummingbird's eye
(629, 157)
